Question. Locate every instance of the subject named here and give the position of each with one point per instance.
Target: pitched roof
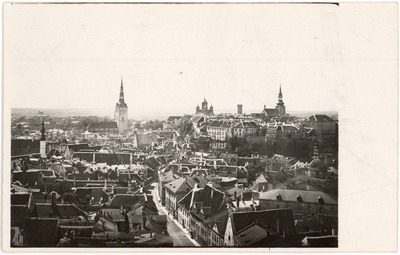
(185, 201)
(197, 119)
(271, 112)
(320, 118)
(45, 210)
(178, 186)
(112, 214)
(241, 220)
(250, 235)
(21, 198)
(125, 200)
(209, 197)
(287, 128)
(216, 123)
(307, 196)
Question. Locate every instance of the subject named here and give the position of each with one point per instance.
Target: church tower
(43, 142)
(280, 106)
(121, 111)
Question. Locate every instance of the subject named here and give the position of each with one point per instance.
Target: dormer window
(299, 198)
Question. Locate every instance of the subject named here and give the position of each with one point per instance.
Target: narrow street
(175, 232)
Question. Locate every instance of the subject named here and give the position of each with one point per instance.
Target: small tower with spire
(121, 111)
(280, 106)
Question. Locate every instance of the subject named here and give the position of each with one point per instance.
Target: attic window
(278, 197)
(321, 200)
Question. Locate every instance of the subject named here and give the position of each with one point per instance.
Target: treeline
(299, 148)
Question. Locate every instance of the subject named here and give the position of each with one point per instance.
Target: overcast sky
(173, 56)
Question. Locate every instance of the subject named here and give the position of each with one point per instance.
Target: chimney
(237, 203)
(62, 200)
(333, 231)
(215, 164)
(235, 195)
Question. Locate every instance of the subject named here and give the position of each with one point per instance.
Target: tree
(70, 197)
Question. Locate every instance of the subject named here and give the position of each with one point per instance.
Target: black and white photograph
(200, 125)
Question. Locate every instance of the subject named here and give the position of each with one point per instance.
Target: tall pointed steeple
(121, 93)
(280, 93)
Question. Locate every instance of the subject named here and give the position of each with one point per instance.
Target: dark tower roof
(121, 95)
(280, 101)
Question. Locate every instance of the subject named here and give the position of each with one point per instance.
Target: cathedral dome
(318, 164)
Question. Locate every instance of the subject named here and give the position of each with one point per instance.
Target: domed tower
(121, 111)
(211, 109)
(317, 168)
(280, 106)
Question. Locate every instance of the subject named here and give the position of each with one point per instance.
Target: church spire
(280, 93)
(121, 93)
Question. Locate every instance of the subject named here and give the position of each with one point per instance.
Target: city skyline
(243, 61)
